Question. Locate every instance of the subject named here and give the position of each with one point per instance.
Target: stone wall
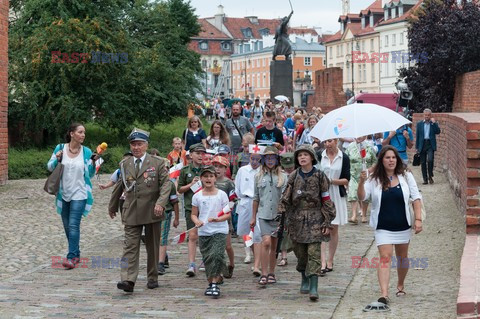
(329, 93)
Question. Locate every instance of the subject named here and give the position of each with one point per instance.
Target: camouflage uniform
(308, 209)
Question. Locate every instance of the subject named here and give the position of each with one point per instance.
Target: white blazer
(373, 191)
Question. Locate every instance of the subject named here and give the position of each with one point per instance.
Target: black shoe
(425, 183)
(430, 180)
(126, 286)
(166, 264)
(152, 284)
(161, 268)
(142, 238)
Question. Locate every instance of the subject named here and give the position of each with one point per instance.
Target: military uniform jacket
(307, 207)
(187, 174)
(142, 191)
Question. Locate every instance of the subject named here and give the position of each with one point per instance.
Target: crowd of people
(257, 174)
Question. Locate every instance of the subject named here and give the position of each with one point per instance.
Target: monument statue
(282, 46)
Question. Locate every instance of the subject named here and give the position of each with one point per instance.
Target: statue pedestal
(281, 81)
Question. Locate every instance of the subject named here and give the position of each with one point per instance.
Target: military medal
(299, 192)
(189, 175)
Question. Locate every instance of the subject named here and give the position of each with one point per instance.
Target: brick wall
(467, 95)
(329, 93)
(3, 91)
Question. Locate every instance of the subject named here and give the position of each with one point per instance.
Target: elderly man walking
(144, 184)
(426, 144)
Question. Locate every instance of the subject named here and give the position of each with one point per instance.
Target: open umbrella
(356, 120)
(231, 101)
(281, 98)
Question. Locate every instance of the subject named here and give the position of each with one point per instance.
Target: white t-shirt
(73, 181)
(209, 206)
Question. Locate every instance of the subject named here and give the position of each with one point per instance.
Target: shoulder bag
(52, 184)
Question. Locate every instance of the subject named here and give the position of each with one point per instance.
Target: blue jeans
(71, 216)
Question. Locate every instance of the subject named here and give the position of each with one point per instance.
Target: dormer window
(371, 20)
(247, 32)
(264, 31)
(363, 22)
(226, 46)
(203, 45)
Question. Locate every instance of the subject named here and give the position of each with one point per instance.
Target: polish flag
(232, 196)
(98, 163)
(226, 210)
(248, 239)
(196, 187)
(325, 196)
(174, 172)
(178, 239)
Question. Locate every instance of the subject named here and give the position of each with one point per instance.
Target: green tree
(446, 33)
(155, 84)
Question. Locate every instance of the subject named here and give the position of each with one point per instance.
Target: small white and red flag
(226, 210)
(232, 196)
(248, 239)
(178, 239)
(174, 171)
(98, 163)
(196, 187)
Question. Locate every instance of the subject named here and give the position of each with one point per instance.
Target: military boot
(304, 288)
(313, 287)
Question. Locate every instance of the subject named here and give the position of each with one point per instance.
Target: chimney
(219, 18)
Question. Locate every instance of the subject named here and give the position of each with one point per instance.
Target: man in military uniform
(144, 180)
(188, 180)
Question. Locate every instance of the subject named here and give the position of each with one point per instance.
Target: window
(394, 39)
(386, 41)
(337, 49)
(204, 64)
(258, 81)
(264, 31)
(401, 38)
(307, 61)
(371, 46)
(364, 73)
(372, 72)
(226, 46)
(331, 53)
(247, 32)
(264, 80)
(263, 62)
(349, 72)
(203, 45)
(363, 45)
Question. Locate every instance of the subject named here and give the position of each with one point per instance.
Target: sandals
(323, 272)
(256, 272)
(400, 293)
(215, 291)
(353, 221)
(271, 279)
(282, 262)
(364, 220)
(263, 281)
(376, 307)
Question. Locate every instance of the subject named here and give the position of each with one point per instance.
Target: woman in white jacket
(390, 188)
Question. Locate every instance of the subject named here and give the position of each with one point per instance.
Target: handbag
(52, 184)
(416, 159)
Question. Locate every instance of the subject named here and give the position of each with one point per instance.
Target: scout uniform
(308, 209)
(187, 174)
(144, 187)
(287, 160)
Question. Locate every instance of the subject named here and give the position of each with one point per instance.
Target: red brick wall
(3, 91)
(329, 93)
(467, 93)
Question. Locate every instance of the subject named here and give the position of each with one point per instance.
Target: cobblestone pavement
(32, 233)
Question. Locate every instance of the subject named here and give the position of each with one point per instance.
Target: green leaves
(156, 83)
(447, 33)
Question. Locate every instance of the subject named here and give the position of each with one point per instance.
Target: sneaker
(247, 259)
(201, 267)
(166, 264)
(191, 271)
(161, 268)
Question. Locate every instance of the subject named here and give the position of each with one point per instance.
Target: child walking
(269, 184)
(212, 230)
(225, 184)
(309, 213)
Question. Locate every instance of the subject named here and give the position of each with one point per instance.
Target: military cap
(139, 135)
(223, 149)
(287, 160)
(221, 160)
(305, 148)
(208, 169)
(197, 148)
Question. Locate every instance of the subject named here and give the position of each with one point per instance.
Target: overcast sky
(319, 13)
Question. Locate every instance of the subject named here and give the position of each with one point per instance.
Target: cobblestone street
(32, 232)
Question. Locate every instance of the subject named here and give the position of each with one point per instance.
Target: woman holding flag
(212, 228)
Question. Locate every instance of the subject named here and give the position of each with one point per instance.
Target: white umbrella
(356, 120)
(281, 98)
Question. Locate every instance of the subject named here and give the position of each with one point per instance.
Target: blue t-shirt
(399, 141)
(289, 125)
(194, 138)
(246, 113)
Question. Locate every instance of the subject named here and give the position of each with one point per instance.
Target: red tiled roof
(208, 31)
(214, 48)
(235, 26)
(403, 17)
(353, 16)
(332, 37)
(376, 5)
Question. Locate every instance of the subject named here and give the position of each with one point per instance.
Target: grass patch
(32, 163)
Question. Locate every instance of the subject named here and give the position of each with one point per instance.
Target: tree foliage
(446, 31)
(156, 83)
